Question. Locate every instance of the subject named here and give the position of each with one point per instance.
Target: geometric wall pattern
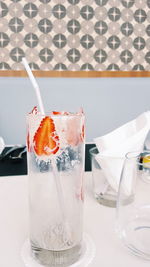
(75, 34)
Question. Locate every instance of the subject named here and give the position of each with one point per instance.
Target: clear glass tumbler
(55, 170)
(133, 204)
(106, 172)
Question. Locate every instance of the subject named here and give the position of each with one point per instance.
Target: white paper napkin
(115, 145)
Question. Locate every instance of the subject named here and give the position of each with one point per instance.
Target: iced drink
(55, 169)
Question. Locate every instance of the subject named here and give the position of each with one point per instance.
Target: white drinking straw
(54, 168)
(35, 85)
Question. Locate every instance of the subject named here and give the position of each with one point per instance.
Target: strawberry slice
(59, 113)
(34, 110)
(83, 133)
(46, 141)
(56, 113)
(28, 141)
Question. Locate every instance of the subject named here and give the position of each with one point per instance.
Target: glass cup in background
(104, 193)
(133, 204)
(55, 169)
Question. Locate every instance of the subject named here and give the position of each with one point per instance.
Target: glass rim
(92, 148)
(103, 156)
(48, 114)
(138, 155)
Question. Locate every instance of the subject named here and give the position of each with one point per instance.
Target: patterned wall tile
(75, 34)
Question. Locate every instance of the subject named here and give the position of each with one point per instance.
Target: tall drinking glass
(133, 204)
(55, 169)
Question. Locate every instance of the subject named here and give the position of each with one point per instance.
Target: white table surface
(99, 224)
